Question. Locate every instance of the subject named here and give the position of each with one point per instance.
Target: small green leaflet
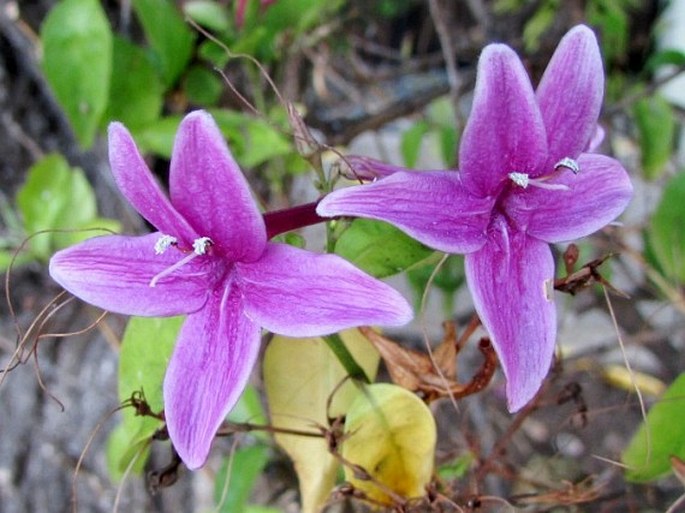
(662, 436)
(666, 236)
(379, 248)
(145, 351)
(58, 197)
(656, 125)
(77, 61)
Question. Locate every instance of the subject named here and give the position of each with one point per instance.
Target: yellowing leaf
(391, 434)
(300, 375)
(620, 377)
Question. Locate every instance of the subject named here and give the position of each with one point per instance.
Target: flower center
(200, 247)
(524, 180)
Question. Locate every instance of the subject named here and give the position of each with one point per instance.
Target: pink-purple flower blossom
(526, 180)
(210, 259)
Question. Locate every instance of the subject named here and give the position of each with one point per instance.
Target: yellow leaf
(300, 375)
(620, 377)
(391, 434)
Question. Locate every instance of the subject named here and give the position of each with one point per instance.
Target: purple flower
(525, 181)
(211, 260)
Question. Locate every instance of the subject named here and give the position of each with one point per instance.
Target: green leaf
(301, 377)
(667, 237)
(298, 15)
(656, 125)
(391, 434)
(246, 464)
(457, 468)
(611, 17)
(77, 61)
(379, 248)
(145, 352)
(58, 197)
(202, 86)
(11, 257)
(449, 139)
(663, 58)
(262, 34)
(170, 38)
(449, 278)
(248, 408)
(253, 141)
(158, 136)
(208, 13)
(256, 508)
(539, 23)
(410, 145)
(214, 54)
(136, 95)
(666, 432)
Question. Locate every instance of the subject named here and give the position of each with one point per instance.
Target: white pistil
(164, 242)
(569, 163)
(200, 247)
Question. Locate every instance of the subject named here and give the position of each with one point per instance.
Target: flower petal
(504, 132)
(570, 94)
(355, 167)
(431, 206)
(597, 195)
(140, 188)
(209, 369)
(209, 189)
(114, 273)
(597, 139)
(509, 279)
(297, 293)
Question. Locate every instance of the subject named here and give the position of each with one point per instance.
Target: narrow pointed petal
(570, 94)
(114, 273)
(209, 369)
(209, 189)
(597, 195)
(141, 189)
(597, 139)
(509, 278)
(431, 206)
(300, 294)
(355, 167)
(505, 132)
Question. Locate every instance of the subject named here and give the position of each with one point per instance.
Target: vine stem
(335, 344)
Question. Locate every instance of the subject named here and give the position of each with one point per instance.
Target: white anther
(164, 242)
(523, 180)
(569, 163)
(520, 179)
(200, 245)
(199, 248)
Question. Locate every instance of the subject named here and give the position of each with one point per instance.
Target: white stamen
(164, 243)
(523, 180)
(200, 245)
(199, 248)
(569, 163)
(520, 179)
(549, 186)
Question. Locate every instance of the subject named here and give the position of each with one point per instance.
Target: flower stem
(345, 358)
(281, 221)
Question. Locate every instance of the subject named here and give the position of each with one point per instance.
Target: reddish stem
(281, 221)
